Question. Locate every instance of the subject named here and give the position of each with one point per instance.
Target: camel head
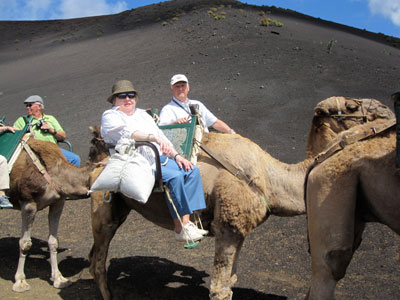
(99, 149)
(336, 114)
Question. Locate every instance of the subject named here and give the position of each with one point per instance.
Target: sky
(379, 16)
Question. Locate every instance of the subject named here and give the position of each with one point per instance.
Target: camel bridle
(341, 117)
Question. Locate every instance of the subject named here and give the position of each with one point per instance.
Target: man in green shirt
(45, 127)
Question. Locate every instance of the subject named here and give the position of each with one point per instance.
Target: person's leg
(174, 178)
(178, 226)
(182, 184)
(4, 178)
(71, 157)
(4, 183)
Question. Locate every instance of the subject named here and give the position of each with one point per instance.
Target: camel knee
(53, 244)
(338, 260)
(25, 245)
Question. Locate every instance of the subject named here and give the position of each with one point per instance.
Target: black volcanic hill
(262, 80)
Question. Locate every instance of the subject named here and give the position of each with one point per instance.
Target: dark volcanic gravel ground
(263, 81)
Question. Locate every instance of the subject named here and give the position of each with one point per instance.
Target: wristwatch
(55, 132)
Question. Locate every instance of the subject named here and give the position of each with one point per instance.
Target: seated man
(45, 127)
(178, 110)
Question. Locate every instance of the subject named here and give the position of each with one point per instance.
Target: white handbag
(128, 172)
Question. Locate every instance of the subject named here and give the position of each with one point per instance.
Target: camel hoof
(21, 286)
(62, 283)
(223, 294)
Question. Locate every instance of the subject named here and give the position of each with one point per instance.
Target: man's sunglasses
(30, 104)
(124, 95)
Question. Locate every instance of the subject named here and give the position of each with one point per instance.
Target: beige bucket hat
(121, 86)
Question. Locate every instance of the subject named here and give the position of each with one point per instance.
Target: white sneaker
(203, 232)
(4, 202)
(188, 233)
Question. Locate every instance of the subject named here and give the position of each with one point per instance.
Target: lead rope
(192, 243)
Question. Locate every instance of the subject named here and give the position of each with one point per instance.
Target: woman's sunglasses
(124, 95)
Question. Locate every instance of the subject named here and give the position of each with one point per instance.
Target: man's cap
(178, 78)
(34, 99)
(121, 86)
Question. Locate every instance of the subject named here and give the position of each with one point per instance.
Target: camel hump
(9, 141)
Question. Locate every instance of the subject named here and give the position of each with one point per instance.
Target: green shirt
(39, 134)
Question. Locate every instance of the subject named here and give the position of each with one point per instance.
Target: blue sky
(373, 15)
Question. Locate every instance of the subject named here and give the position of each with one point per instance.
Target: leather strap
(367, 131)
(37, 163)
(234, 171)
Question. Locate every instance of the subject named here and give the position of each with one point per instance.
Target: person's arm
(165, 146)
(58, 134)
(168, 116)
(53, 126)
(221, 126)
(7, 128)
(180, 121)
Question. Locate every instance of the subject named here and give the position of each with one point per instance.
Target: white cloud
(388, 8)
(58, 9)
(84, 8)
(36, 9)
(23, 10)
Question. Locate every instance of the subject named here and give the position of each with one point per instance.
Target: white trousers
(4, 178)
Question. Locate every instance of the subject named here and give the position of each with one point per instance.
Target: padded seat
(9, 141)
(181, 136)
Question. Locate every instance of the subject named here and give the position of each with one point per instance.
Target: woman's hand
(183, 162)
(165, 146)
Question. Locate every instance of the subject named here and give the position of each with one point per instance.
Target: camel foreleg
(227, 248)
(55, 210)
(28, 213)
(106, 219)
(333, 230)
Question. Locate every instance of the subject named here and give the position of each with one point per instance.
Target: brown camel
(356, 185)
(233, 208)
(30, 193)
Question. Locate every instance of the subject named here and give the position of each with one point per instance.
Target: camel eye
(352, 107)
(320, 112)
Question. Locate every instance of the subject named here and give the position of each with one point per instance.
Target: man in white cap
(178, 110)
(45, 127)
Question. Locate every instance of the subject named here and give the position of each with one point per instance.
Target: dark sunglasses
(29, 104)
(123, 95)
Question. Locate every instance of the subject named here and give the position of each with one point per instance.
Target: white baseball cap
(178, 78)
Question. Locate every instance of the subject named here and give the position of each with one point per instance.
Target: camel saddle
(9, 141)
(184, 138)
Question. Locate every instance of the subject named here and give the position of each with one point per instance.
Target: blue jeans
(186, 188)
(72, 157)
